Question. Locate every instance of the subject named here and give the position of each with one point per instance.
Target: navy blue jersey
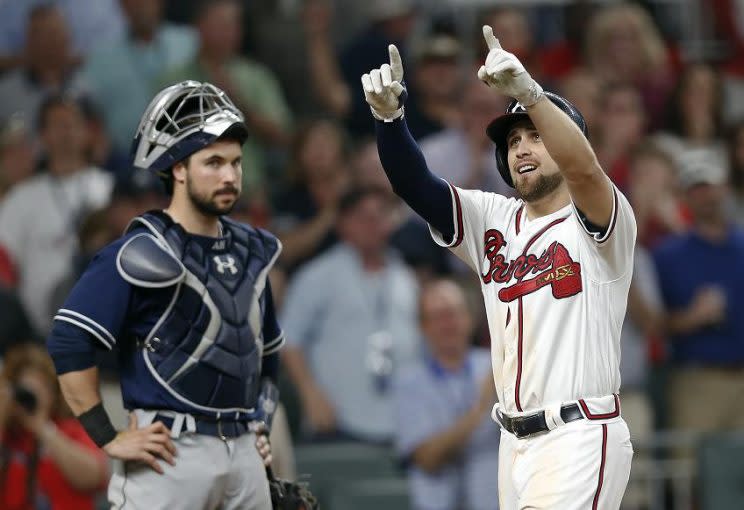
(105, 311)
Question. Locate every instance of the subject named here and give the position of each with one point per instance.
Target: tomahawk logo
(554, 267)
(225, 263)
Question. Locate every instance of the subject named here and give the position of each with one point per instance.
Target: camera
(25, 398)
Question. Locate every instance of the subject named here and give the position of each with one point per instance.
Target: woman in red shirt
(46, 458)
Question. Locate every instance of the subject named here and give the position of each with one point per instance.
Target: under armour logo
(228, 263)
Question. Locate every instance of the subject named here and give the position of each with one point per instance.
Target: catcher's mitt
(286, 495)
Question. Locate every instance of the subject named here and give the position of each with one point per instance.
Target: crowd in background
(375, 314)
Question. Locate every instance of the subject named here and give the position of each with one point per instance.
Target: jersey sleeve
(94, 313)
(272, 332)
(614, 245)
(471, 211)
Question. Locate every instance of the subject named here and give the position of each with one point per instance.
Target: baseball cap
(380, 10)
(437, 46)
(15, 128)
(699, 170)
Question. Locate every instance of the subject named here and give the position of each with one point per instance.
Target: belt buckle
(219, 430)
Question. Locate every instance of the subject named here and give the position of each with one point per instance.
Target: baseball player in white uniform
(555, 268)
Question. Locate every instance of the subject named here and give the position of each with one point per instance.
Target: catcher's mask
(181, 120)
(499, 128)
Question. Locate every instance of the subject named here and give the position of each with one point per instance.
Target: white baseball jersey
(555, 296)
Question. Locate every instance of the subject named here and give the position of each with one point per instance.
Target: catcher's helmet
(181, 120)
(499, 128)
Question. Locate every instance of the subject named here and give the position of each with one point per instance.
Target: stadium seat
(373, 494)
(721, 471)
(327, 467)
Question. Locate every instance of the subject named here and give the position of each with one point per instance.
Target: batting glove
(384, 89)
(504, 72)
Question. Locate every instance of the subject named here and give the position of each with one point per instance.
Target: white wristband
(533, 95)
(387, 118)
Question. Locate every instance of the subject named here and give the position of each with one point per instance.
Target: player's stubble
(539, 188)
(208, 203)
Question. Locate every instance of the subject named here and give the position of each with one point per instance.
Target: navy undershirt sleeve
(270, 367)
(93, 314)
(411, 178)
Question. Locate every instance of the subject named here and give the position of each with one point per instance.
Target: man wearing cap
(702, 287)
(555, 268)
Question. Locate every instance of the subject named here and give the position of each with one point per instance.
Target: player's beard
(207, 203)
(541, 187)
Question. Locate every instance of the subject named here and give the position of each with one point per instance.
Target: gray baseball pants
(210, 474)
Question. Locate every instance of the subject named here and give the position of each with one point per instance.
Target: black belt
(222, 429)
(523, 426)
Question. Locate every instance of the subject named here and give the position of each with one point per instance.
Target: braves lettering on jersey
(555, 296)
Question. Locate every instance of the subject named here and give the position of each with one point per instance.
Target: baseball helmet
(499, 128)
(181, 120)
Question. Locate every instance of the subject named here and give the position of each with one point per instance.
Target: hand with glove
(504, 72)
(384, 89)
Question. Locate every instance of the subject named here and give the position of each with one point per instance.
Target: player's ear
(179, 171)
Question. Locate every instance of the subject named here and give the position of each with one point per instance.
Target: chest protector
(206, 348)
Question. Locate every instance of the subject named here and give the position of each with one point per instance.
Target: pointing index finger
(396, 64)
(491, 40)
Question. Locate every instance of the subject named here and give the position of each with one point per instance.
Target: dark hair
(294, 174)
(200, 7)
(39, 11)
(675, 122)
(356, 195)
(650, 150)
(53, 101)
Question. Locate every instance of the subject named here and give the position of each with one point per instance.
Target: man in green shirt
(252, 86)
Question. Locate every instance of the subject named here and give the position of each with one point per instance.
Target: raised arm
(590, 188)
(401, 157)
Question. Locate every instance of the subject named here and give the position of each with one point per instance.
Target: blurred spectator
(100, 150)
(411, 235)
(15, 327)
(17, 158)
(512, 27)
(435, 87)
(464, 156)
(39, 218)
(336, 81)
(643, 325)
(736, 170)
(727, 16)
(350, 320)
(250, 85)
(583, 88)
(621, 123)
(703, 289)
(318, 175)
(694, 126)
(367, 168)
(654, 194)
(48, 66)
(565, 56)
(122, 75)
(444, 430)
(624, 46)
(48, 460)
(91, 22)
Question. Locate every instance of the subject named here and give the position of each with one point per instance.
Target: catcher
(184, 297)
